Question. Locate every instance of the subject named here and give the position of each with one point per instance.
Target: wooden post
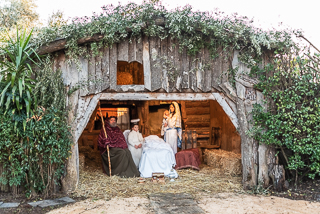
(146, 118)
(183, 141)
(184, 113)
(194, 139)
(189, 141)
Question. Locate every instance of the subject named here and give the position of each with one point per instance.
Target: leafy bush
(292, 118)
(34, 157)
(35, 146)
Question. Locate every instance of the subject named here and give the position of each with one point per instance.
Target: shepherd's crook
(105, 133)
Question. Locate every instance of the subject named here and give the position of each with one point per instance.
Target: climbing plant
(193, 30)
(291, 120)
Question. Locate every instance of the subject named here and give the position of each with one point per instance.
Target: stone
(174, 203)
(34, 204)
(48, 203)
(66, 200)
(9, 205)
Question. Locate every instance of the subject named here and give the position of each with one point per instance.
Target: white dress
(157, 156)
(134, 139)
(172, 134)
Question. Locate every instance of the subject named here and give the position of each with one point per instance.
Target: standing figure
(135, 141)
(174, 132)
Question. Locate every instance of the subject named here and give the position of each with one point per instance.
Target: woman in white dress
(173, 133)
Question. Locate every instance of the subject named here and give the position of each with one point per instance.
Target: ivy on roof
(193, 30)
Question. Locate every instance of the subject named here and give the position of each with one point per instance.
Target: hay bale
(124, 78)
(226, 162)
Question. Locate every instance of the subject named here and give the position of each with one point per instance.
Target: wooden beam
(158, 96)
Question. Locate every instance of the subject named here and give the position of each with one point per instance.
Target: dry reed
(95, 184)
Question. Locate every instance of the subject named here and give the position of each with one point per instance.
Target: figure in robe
(174, 132)
(135, 141)
(121, 160)
(164, 127)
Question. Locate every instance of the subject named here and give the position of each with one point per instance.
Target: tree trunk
(249, 167)
(277, 175)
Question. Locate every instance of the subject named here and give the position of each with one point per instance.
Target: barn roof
(194, 30)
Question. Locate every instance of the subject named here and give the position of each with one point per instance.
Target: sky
(279, 14)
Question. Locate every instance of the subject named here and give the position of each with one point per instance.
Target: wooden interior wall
(230, 139)
(200, 116)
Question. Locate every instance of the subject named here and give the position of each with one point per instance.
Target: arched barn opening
(140, 77)
(205, 125)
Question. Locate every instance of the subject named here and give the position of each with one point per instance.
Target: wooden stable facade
(154, 73)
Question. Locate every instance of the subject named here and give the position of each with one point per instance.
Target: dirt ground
(219, 203)
(214, 192)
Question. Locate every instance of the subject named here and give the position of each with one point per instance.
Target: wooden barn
(139, 78)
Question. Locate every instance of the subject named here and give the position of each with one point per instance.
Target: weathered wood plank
(222, 102)
(171, 55)
(224, 67)
(198, 111)
(185, 69)
(92, 74)
(155, 65)
(83, 76)
(164, 55)
(193, 74)
(123, 50)
(197, 104)
(87, 111)
(132, 50)
(146, 63)
(207, 78)
(98, 83)
(177, 65)
(105, 69)
(158, 96)
(113, 67)
(200, 70)
(63, 67)
(216, 72)
(139, 51)
(199, 118)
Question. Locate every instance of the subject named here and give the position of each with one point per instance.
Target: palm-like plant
(15, 73)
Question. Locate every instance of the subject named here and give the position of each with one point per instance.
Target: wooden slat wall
(193, 73)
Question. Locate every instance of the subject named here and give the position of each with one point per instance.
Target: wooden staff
(105, 133)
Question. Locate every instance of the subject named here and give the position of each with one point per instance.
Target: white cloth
(134, 139)
(157, 156)
(172, 139)
(172, 134)
(163, 128)
(126, 134)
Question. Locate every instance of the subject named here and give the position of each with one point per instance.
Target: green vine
(193, 30)
(291, 118)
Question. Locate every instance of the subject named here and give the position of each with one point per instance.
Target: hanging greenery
(193, 30)
(291, 120)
